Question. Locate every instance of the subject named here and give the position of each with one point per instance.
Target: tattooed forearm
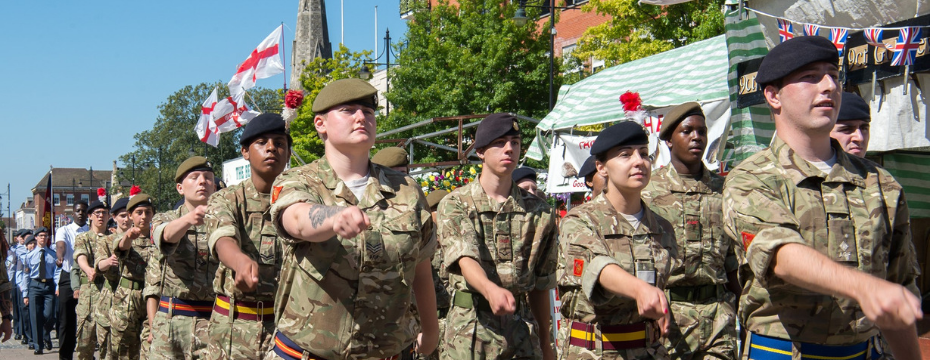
(319, 214)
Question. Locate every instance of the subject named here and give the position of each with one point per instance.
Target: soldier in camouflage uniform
(91, 283)
(132, 249)
(105, 264)
(686, 192)
(852, 125)
(500, 249)
(357, 241)
(617, 254)
(183, 270)
(243, 238)
(826, 260)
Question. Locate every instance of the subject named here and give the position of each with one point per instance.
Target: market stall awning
(696, 72)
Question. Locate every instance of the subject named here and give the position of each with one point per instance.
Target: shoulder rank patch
(578, 269)
(747, 239)
(275, 192)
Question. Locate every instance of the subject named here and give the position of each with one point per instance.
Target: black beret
(29, 239)
(391, 157)
(523, 173)
(345, 91)
(434, 197)
(193, 163)
(588, 168)
(676, 115)
(119, 204)
(41, 229)
(96, 204)
(854, 107)
(27, 232)
(266, 123)
(624, 133)
(18, 233)
(794, 54)
(495, 126)
(139, 200)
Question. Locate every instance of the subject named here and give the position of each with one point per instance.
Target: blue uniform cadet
(41, 262)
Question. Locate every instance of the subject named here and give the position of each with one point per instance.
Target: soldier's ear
(245, 152)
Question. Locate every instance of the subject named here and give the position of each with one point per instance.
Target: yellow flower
(472, 171)
(446, 183)
(453, 187)
(424, 183)
(432, 178)
(480, 166)
(448, 174)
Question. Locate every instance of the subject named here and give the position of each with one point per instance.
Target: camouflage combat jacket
(132, 262)
(186, 269)
(243, 214)
(86, 244)
(856, 215)
(516, 243)
(596, 235)
(352, 298)
(705, 253)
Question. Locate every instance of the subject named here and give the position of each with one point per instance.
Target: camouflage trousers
(86, 333)
(126, 317)
(703, 330)
(101, 312)
(571, 352)
(479, 334)
(178, 337)
(146, 343)
(232, 338)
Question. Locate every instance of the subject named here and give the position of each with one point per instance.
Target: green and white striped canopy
(696, 72)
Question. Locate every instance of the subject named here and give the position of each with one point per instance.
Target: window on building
(574, 2)
(57, 199)
(70, 200)
(85, 198)
(596, 65)
(569, 62)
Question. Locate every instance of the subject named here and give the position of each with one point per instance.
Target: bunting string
(878, 28)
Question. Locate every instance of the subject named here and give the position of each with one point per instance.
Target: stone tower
(311, 39)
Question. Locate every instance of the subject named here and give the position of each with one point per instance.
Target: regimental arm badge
(578, 268)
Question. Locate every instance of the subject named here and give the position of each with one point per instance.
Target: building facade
(69, 186)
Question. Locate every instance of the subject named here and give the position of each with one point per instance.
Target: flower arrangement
(449, 179)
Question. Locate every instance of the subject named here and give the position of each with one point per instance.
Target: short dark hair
(81, 202)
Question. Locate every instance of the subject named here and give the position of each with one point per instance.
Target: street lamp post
(365, 74)
(520, 18)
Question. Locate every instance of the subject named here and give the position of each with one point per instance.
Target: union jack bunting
(811, 30)
(873, 36)
(838, 37)
(785, 30)
(905, 48)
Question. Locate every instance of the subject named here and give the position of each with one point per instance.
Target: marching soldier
(243, 238)
(826, 258)
(40, 293)
(90, 282)
(128, 253)
(592, 178)
(184, 268)
(702, 282)
(852, 125)
(357, 241)
(392, 157)
(500, 249)
(105, 264)
(617, 259)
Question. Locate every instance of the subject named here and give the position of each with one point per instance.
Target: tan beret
(345, 91)
(193, 163)
(435, 197)
(137, 200)
(676, 115)
(391, 157)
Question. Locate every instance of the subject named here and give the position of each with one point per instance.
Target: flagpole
(283, 56)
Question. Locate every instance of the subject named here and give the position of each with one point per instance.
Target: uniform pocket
(316, 258)
(398, 244)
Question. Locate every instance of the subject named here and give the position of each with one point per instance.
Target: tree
(470, 58)
(319, 72)
(171, 140)
(640, 30)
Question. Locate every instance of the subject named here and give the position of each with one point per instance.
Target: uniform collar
(514, 203)
(798, 169)
(648, 225)
(675, 182)
(373, 194)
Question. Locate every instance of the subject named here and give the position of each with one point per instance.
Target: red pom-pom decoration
(631, 101)
(293, 98)
(101, 192)
(134, 190)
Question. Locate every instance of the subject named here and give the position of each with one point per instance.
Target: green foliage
(640, 30)
(319, 72)
(464, 59)
(161, 149)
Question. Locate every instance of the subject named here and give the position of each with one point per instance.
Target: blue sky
(82, 77)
